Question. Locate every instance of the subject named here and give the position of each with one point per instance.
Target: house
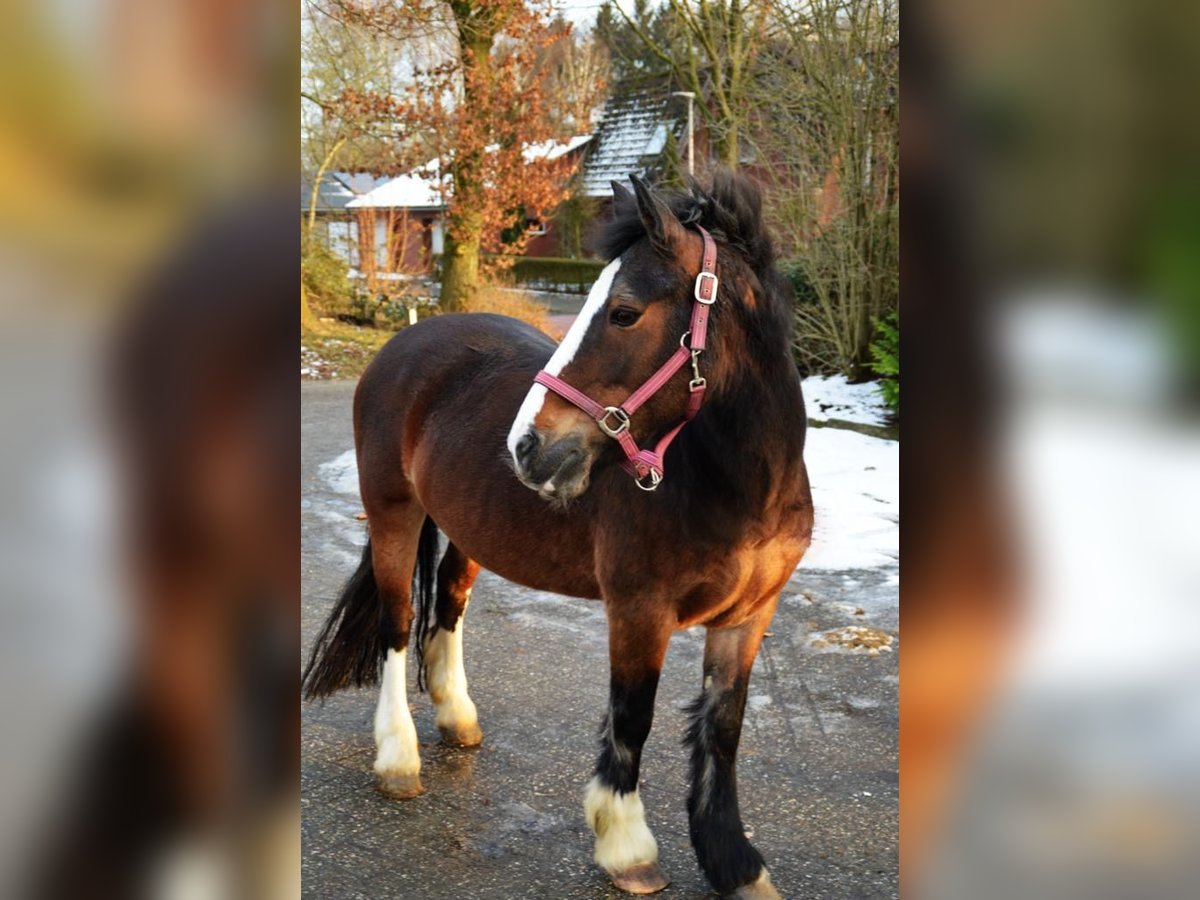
(638, 133)
(335, 224)
(405, 216)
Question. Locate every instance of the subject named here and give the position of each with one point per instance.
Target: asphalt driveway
(817, 767)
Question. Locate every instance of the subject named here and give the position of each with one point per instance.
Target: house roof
(631, 138)
(337, 190)
(412, 191)
(423, 189)
(360, 182)
(332, 195)
(551, 150)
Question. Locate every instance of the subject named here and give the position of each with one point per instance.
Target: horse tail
(350, 648)
(354, 639)
(424, 584)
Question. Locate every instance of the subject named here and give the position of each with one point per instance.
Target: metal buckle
(699, 280)
(622, 421)
(655, 480)
(697, 381)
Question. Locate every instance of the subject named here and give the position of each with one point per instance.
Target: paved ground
(818, 761)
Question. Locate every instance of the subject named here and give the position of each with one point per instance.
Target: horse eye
(623, 316)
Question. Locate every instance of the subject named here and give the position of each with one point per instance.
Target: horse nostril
(525, 447)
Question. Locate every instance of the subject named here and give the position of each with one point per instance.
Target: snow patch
(833, 397)
(856, 499)
(341, 474)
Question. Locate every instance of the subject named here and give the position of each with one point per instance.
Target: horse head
(629, 369)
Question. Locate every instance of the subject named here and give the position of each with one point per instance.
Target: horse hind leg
(457, 718)
(397, 538)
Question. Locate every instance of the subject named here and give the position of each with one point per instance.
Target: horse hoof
(400, 787)
(646, 878)
(760, 889)
(468, 736)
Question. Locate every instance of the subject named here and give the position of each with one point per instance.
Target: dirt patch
(336, 350)
(856, 637)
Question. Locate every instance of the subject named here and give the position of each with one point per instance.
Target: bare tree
(715, 43)
(827, 127)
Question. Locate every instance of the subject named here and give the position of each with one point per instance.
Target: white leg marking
(532, 404)
(396, 750)
(448, 679)
(619, 820)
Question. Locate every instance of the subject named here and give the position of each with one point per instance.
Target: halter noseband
(646, 465)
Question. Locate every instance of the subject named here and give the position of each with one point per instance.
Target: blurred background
(148, 460)
(1050, 279)
(1051, 273)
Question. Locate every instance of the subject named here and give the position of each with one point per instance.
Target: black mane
(731, 210)
(729, 459)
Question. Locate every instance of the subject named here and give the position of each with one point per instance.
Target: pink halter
(614, 420)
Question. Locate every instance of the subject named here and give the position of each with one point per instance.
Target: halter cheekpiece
(646, 465)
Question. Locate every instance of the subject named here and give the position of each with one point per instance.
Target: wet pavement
(817, 766)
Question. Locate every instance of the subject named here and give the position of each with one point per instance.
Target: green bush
(885, 359)
(326, 277)
(556, 273)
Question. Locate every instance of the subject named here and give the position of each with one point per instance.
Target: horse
(529, 457)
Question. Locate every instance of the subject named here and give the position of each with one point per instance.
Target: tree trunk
(316, 191)
(464, 232)
(729, 148)
(460, 264)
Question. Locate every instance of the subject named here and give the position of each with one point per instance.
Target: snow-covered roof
(403, 191)
(551, 150)
(630, 140)
(420, 188)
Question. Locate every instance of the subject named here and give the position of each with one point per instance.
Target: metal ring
(655, 480)
(687, 334)
(622, 421)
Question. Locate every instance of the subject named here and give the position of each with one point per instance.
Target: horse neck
(741, 453)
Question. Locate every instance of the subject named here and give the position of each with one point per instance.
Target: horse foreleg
(729, 861)
(456, 716)
(625, 848)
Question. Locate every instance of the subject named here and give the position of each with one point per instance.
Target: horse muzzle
(558, 470)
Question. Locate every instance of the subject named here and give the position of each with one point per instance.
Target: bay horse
(528, 457)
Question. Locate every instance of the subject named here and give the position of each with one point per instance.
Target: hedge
(556, 273)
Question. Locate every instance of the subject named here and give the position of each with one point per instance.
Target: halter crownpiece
(646, 465)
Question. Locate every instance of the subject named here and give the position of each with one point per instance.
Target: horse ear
(663, 228)
(621, 196)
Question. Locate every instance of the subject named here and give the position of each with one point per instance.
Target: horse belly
(464, 482)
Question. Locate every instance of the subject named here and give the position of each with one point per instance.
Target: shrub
(555, 273)
(885, 359)
(793, 270)
(508, 303)
(326, 278)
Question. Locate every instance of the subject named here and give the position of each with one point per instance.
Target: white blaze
(532, 405)
(396, 750)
